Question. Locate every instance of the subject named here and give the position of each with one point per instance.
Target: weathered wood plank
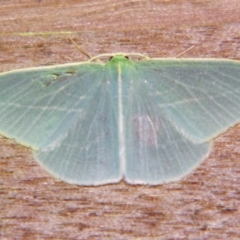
(203, 205)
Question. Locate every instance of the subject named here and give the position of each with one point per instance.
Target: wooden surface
(203, 205)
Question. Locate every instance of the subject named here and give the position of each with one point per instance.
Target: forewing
(66, 114)
(37, 106)
(201, 98)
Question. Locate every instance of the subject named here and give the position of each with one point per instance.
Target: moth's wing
(64, 113)
(155, 151)
(177, 107)
(88, 154)
(201, 98)
(38, 105)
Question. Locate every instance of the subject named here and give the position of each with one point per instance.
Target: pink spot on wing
(146, 130)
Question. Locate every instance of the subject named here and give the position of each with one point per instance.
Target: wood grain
(203, 205)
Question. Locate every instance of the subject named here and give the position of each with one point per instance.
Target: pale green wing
(175, 108)
(200, 97)
(66, 114)
(38, 105)
(155, 151)
(89, 153)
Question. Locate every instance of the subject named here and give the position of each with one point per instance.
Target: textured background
(203, 205)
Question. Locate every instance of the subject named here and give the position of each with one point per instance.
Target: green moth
(147, 121)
